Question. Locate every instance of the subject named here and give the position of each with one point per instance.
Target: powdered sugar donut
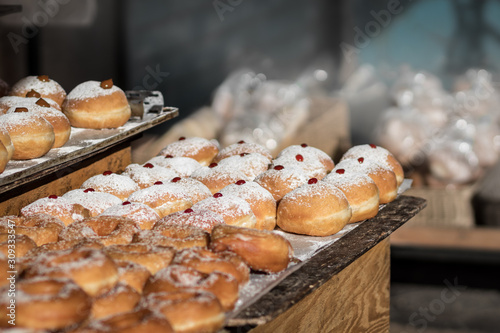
(179, 236)
(280, 180)
(360, 190)
(261, 202)
(250, 164)
(147, 174)
(196, 190)
(242, 147)
(310, 164)
(95, 202)
(183, 166)
(65, 210)
(120, 186)
(234, 210)
(200, 218)
(308, 153)
(216, 177)
(7, 102)
(200, 149)
(42, 84)
(142, 214)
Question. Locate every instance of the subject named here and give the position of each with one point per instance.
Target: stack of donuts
(36, 115)
(168, 244)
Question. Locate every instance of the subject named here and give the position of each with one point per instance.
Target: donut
(109, 230)
(177, 278)
(216, 177)
(261, 202)
(132, 274)
(360, 191)
(173, 235)
(280, 180)
(65, 245)
(18, 245)
(65, 210)
(315, 209)
(97, 105)
(196, 190)
(42, 84)
(91, 269)
(122, 298)
(188, 311)
(200, 218)
(4, 88)
(120, 186)
(384, 178)
(261, 250)
(147, 174)
(206, 261)
(165, 198)
(59, 122)
(242, 147)
(45, 303)
(153, 258)
(31, 135)
(234, 210)
(183, 166)
(309, 153)
(379, 155)
(311, 165)
(7, 143)
(95, 202)
(199, 149)
(4, 157)
(144, 216)
(250, 164)
(7, 102)
(41, 228)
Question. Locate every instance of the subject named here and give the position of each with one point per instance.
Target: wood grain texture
(64, 180)
(355, 300)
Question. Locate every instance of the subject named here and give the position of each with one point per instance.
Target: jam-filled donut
(360, 190)
(91, 269)
(234, 210)
(164, 198)
(261, 202)
(379, 155)
(97, 105)
(7, 143)
(183, 166)
(31, 135)
(280, 180)
(250, 164)
(216, 177)
(95, 202)
(132, 274)
(188, 311)
(65, 210)
(384, 177)
(15, 101)
(309, 153)
(16, 244)
(200, 218)
(41, 228)
(42, 84)
(152, 257)
(316, 209)
(109, 230)
(120, 186)
(196, 190)
(177, 278)
(242, 147)
(142, 214)
(122, 298)
(174, 235)
(261, 250)
(147, 174)
(310, 164)
(45, 303)
(200, 149)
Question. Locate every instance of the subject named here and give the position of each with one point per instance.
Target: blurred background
(417, 77)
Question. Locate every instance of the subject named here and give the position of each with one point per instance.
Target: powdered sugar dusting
(91, 89)
(183, 166)
(94, 201)
(32, 82)
(251, 164)
(200, 218)
(111, 183)
(378, 155)
(145, 177)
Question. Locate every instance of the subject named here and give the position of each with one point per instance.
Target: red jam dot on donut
(21, 110)
(52, 196)
(88, 190)
(361, 160)
(340, 171)
(189, 210)
(244, 154)
(278, 167)
(43, 103)
(312, 181)
(240, 182)
(299, 158)
(175, 179)
(182, 138)
(303, 145)
(33, 93)
(212, 165)
(217, 195)
(148, 165)
(168, 156)
(107, 84)
(107, 173)
(158, 183)
(43, 78)
(241, 141)
(373, 146)
(126, 203)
